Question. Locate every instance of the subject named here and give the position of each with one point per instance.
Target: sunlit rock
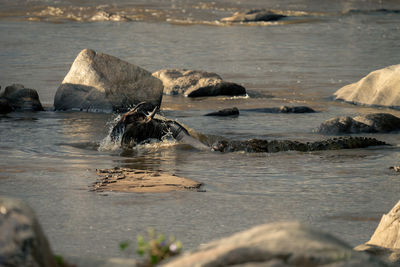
(194, 83)
(385, 242)
(20, 98)
(22, 242)
(380, 87)
(276, 244)
(100, 82)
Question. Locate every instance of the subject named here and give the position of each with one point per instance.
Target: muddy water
(50, 159)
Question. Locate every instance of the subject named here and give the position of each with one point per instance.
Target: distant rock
(254, 15)
(385, 242)
(276, 244)
(106, 16)
(193, 83)
(225, 112)
(22, 242)
(371, 123)
(282, 109)
(19, 98)
(100, 82)
(380, 87)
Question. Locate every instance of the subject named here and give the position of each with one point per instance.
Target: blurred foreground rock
(103, 83)
(385, 242)
(194, 83)
(22, 242)
(380, 87)
(276, 244)
(18, 98)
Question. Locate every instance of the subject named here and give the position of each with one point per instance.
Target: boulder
(20, 98)
(225, 112)
(22, 242)
(100, 82)
(380, 88)
(276, 244)
(254, 15)
(193, 83)
(371, 123)
(385, 242)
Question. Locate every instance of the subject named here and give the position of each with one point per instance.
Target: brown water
(49, 159)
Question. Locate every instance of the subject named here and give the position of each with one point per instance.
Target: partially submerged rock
(371, 123)
(259, 145)
(22, 242)
(385, 242)
(276, 244)
(380, 87)
(19, 98)
(100, 82)
(254, 15)
(225, 112)
(193, 83)
(131, 180)
(283, 109)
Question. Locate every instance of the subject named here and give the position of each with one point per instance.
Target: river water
(50, 158)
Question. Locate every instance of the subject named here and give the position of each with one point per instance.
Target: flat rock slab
(132, 180)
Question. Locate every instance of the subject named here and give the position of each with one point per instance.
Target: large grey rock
(380, 87)
(371, 123)
(20, 98)
(385, 242)
(194, 83)
(254, 15)
(22, 242)
(277, 244)
(100, 82)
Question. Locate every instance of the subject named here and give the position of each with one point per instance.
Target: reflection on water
(50, 158)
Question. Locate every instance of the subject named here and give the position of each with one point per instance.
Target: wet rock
(283, 109)
(22, 242)
(100, 82)
(20, 98)
(371, 123)
(276, 244)
(225, 112)
(254, 15)
(132, 180)
(193, 83)
(106, 16)
(385, 242)
(380, 87)
(265, 146)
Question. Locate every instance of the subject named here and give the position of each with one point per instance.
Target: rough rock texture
(131, 180)
(385, 242)
(22, 242)
(193, 83)
(100, 82)
(20, 98)
(283, 109)
(277, 244)
(225, 112)
(371, 123)
(380, 87)
(259, 145)
(254, 15)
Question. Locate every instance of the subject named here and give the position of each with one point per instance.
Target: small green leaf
(123, 245)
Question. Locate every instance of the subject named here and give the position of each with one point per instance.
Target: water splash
(108, 143)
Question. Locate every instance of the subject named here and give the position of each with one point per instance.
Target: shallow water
(50, 159)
